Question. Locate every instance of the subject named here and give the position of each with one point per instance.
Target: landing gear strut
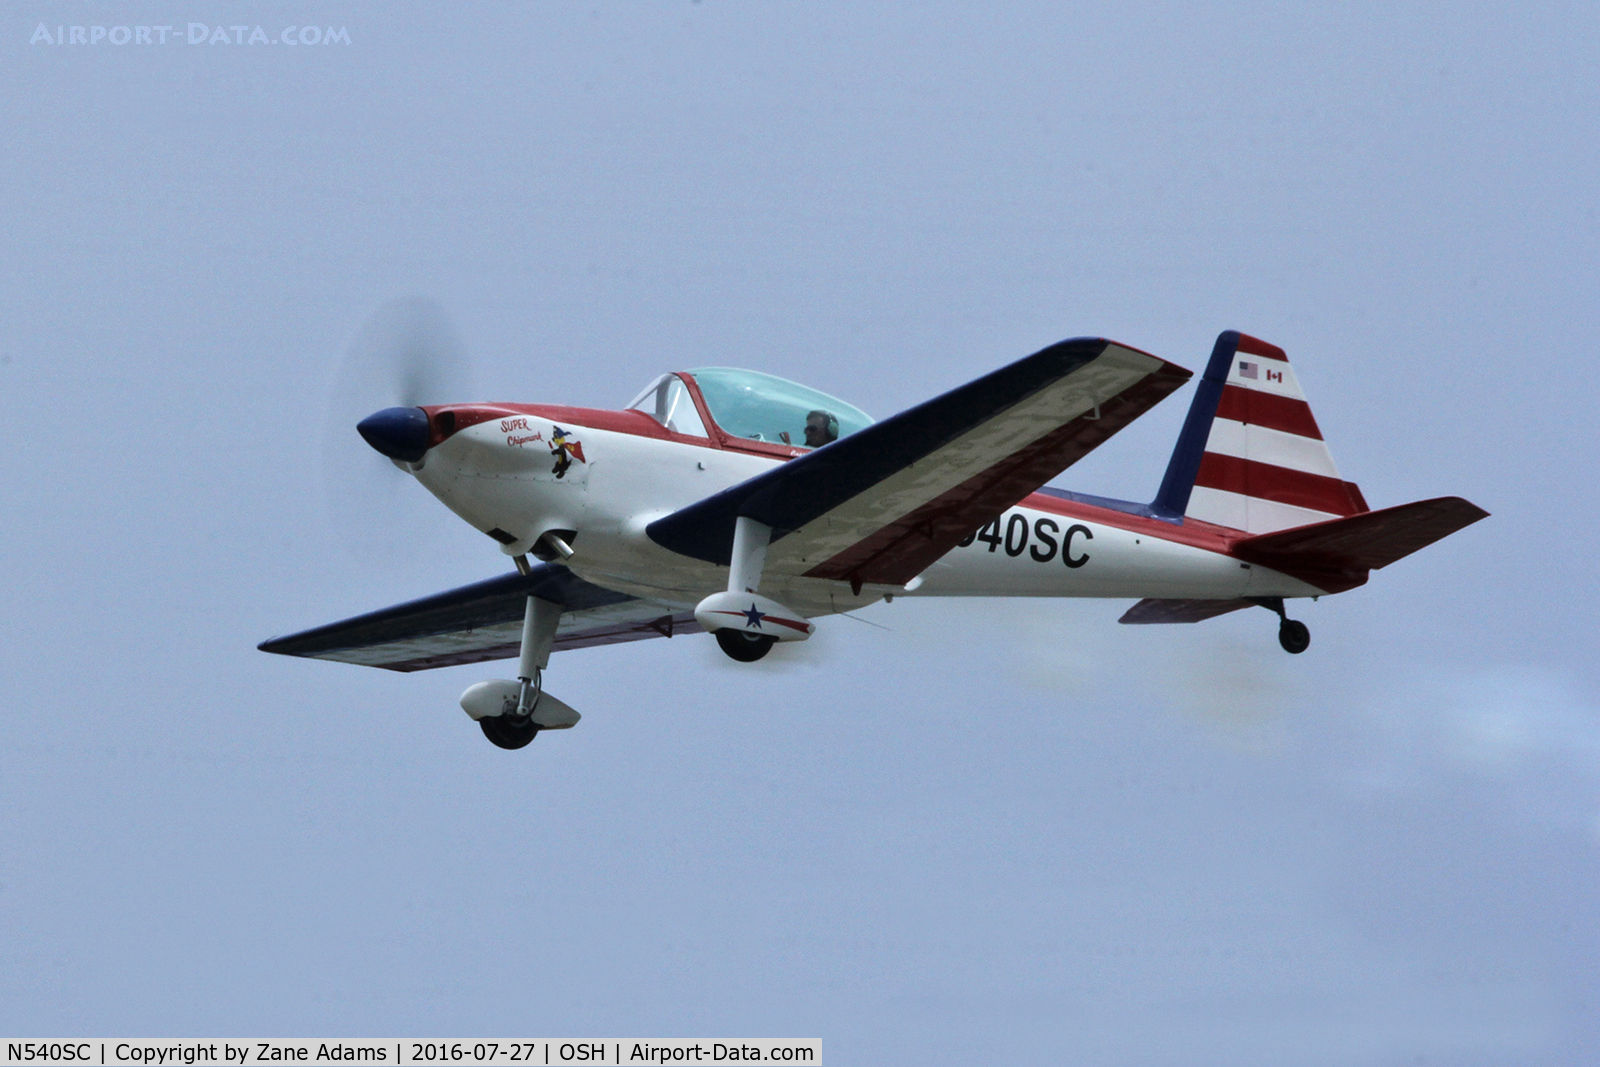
(511, 714)
(514, 726)
(745, 623)
(1294, 636)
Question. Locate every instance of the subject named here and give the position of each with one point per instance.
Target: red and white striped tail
(1265, 465)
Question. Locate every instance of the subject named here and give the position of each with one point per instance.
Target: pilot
(821, 428)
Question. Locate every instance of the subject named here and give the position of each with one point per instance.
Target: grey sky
(995, 832)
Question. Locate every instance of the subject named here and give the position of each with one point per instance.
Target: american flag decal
(1247, 370)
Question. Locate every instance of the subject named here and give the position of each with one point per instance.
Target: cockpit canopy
(667, 400)
(751, 405)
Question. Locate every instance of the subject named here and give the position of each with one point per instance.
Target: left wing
(483, 621)
(884, 503)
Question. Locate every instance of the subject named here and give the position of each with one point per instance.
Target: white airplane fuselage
(525, 471)
(742, 505)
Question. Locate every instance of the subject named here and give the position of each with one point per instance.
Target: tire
(508, 732)
(1295, 637)
(746, 648)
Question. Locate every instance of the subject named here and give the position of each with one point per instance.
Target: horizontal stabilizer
(882, 504)
(483, 621)
(1151, 610)
(1337, 555)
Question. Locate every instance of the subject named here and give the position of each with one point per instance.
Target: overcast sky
(989, 831)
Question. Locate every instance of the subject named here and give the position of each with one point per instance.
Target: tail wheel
(1295, 637)
(744, 647)
(507, 731)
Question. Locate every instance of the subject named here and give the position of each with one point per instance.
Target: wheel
(746, 648)
(1295, 637)
(506, 731)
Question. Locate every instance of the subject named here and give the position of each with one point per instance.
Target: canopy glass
(763, 407)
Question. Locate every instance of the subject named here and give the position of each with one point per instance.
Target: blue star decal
(753, 616)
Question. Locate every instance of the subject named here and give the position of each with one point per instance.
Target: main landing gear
(514, 727)
(744, 647)
(509, 730)
(505, 709)
(1294, 636)
(745, 623)
(512, 713)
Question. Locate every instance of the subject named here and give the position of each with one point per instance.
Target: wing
(884, 503)
(483, 621)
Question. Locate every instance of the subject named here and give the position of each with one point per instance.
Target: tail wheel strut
(1294, 636)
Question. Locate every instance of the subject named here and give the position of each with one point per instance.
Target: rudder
(1251, 456)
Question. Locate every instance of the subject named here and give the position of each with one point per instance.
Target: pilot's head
(821, 428)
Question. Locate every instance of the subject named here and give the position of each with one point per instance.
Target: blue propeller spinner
(399, 433)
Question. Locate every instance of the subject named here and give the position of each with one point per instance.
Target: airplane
(741, 504)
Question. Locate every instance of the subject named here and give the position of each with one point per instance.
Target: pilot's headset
(832, 423)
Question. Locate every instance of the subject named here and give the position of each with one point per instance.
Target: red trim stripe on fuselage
(1192, 532)
(449, 419)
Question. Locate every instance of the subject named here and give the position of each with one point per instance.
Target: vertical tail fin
(1250, 456)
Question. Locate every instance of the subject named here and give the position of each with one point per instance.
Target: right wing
(483, 621)
(884, 503)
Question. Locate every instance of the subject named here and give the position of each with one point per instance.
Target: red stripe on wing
(1279, 484)
(1267, 409)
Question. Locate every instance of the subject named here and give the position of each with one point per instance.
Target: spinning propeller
(406, 355)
